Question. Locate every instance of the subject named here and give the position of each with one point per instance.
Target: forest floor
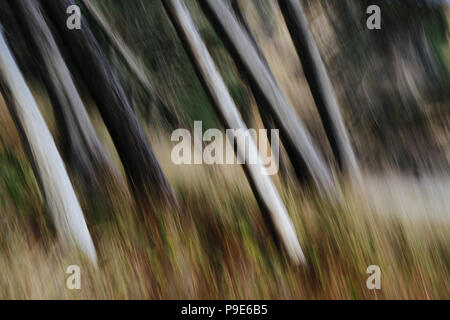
(218, 246)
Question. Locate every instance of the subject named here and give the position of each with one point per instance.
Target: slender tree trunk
(262, 185)
(47, 163)
(85, 150)
(266, 117)
(141, 166)
(134, 63)
(240, 17)
(296, 139)
(320, 85)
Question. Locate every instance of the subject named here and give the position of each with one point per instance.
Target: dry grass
(219, 247)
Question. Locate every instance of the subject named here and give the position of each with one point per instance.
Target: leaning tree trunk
(266, 117)
(47, 163)
(296, 139)
(240, 17)
(140, 164)
(320, 85)
(85, 150)
(264, 189)
(134, 63)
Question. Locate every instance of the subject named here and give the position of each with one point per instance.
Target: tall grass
(219, 246)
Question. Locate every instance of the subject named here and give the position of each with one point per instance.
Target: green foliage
(13, 179)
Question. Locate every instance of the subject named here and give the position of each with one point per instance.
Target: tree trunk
(296, 139)
(85, 150)
(47, 163)
(265, 191)
(141, 166)
(320, 86)
(266, 117)
(240, 17)
(134, 63)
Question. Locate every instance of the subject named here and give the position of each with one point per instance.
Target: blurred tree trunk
(266, 117)
(266, 16)
(134, 63)
(320, 86)
(263, 187)
(141, 166)
(85, 150)
(47, 163)
(303, 154)
(240, 17)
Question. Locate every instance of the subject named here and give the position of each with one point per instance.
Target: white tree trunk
(85, 145)
(57, 188)
(144, 173)
(262, 184)
(296, 138)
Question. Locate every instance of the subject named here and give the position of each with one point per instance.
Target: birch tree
(266, 117)
(297, 141)
(141, 166)
(85, 150)
(137, 68)
(265, 191)
(320, 85)
(47, 163)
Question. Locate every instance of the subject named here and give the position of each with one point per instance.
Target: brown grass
(219, 246)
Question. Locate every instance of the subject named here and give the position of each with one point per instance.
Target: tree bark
(320, 85)
(240, 17)
(47, 163)
(297, 141)
(266, 117)
(263, 187)
(134, 63)
(85, 150)
(141, 166)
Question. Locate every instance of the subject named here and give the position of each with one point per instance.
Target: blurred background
(392, 86)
